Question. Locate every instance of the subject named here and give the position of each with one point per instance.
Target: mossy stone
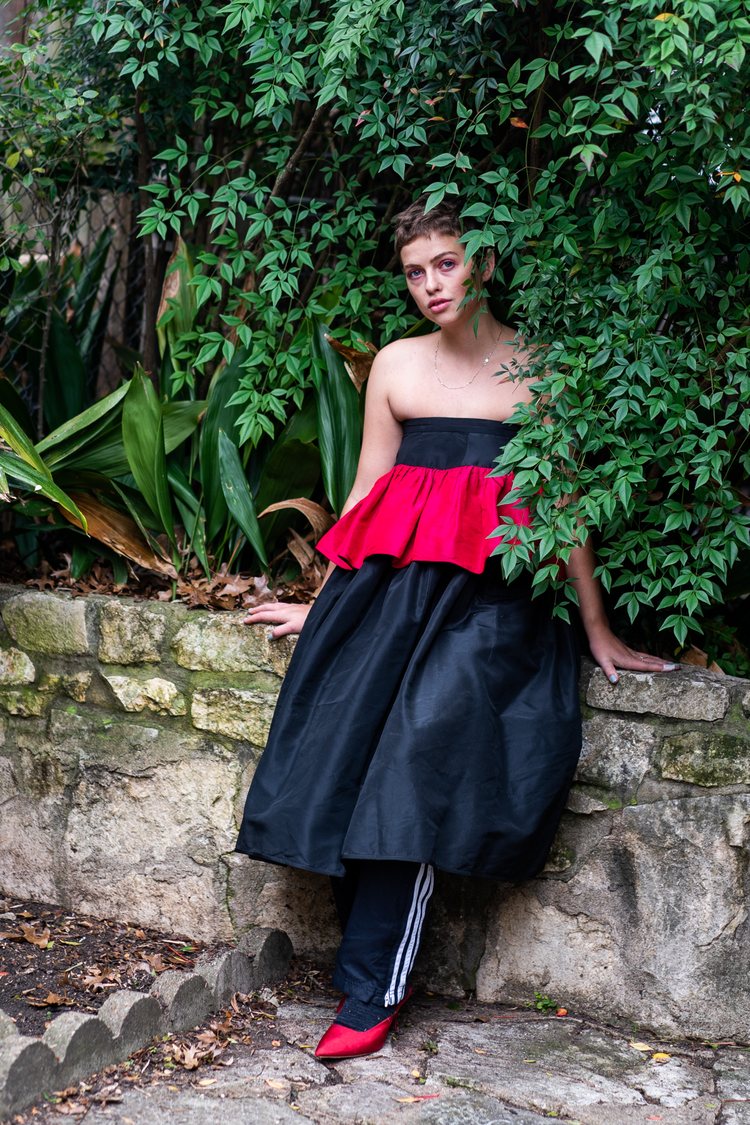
(706, 758)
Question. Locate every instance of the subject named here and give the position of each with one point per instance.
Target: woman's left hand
(610, 653)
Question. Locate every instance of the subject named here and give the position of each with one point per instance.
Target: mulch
(53, 959)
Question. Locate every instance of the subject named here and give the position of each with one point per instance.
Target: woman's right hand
(286, 617)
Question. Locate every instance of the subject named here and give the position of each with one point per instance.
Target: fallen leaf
(641, 1046)
(275, 1042)
(276, 1084)
(660, 1056)
(416, 1098)
(416, 1074)
(51, 1000)
(561, 1012)
(518, 122)
(207, 1081)
(35, 936)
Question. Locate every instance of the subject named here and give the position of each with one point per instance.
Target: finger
(609, 670)
(643, 661)
(284, 630)
(268, 615)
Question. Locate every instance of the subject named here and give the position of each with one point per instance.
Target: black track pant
(382, 907)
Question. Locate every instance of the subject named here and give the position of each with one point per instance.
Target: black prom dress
(430, 712)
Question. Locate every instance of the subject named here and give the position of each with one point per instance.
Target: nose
(432, 281)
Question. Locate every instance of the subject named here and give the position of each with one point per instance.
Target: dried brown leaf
(357, 363)
(36, 937)
(51, 1000)
(120, 532)
(320, 519)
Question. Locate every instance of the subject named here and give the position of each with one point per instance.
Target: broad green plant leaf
(143, 439)
(82, 429)
(219, 416)
(41, 483)
(339, 419)
(238, 496)
(18, 440)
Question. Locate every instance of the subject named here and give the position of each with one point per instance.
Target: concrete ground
(455, 1064)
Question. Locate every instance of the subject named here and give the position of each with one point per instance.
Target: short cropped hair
(415, 222)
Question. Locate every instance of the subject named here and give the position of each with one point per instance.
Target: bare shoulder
(400, 352)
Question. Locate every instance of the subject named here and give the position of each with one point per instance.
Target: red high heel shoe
(341, 1042)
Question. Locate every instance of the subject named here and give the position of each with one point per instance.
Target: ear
(488, 265)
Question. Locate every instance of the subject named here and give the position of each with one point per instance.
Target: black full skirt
(428, 714)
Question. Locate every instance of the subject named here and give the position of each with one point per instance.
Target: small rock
(7, 1025)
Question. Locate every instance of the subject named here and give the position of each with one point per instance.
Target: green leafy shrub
(603, 152)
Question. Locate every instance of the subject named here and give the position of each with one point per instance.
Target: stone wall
(128, 736)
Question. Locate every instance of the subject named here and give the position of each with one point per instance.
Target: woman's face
(444, 286)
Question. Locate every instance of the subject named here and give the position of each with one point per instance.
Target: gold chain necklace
(481, 367)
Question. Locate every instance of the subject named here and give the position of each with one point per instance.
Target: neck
(473, 335)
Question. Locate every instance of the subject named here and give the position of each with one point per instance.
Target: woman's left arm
(609, 652)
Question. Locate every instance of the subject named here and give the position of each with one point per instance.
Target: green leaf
(143, 439)
(21, 471)
(238, 496)
(18, 440)
(339, 419)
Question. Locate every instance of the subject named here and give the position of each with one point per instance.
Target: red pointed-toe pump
(341, 1042)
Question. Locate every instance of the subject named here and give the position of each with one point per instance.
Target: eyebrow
(436, 258)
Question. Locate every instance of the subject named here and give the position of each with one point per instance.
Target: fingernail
(613, 678)
(270, 634)
(670, 667)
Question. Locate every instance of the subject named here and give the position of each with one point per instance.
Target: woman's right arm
(381, 438)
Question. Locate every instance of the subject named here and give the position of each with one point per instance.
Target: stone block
(130, 634)
(133, 1018)
(676, 695)
(616, 754)
(271, 951)
(28, 1068)
(81, 1043)
(15, 667)
(650, 926)
(77, 685)
(47, 623)
(706, 757)
(209, 643)
(155, 694)
(261, 895)
(236, 713)
(26, 702)
(185, 998)
(746, 703)
(229, 973)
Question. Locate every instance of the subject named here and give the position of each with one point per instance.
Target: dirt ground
(52, 958)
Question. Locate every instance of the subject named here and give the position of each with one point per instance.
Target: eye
(448, 263)
(412, 275)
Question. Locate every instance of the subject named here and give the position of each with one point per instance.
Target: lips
(439, 304)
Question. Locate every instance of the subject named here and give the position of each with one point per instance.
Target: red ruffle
(418, 514)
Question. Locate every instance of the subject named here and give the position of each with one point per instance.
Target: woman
(430, 714)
